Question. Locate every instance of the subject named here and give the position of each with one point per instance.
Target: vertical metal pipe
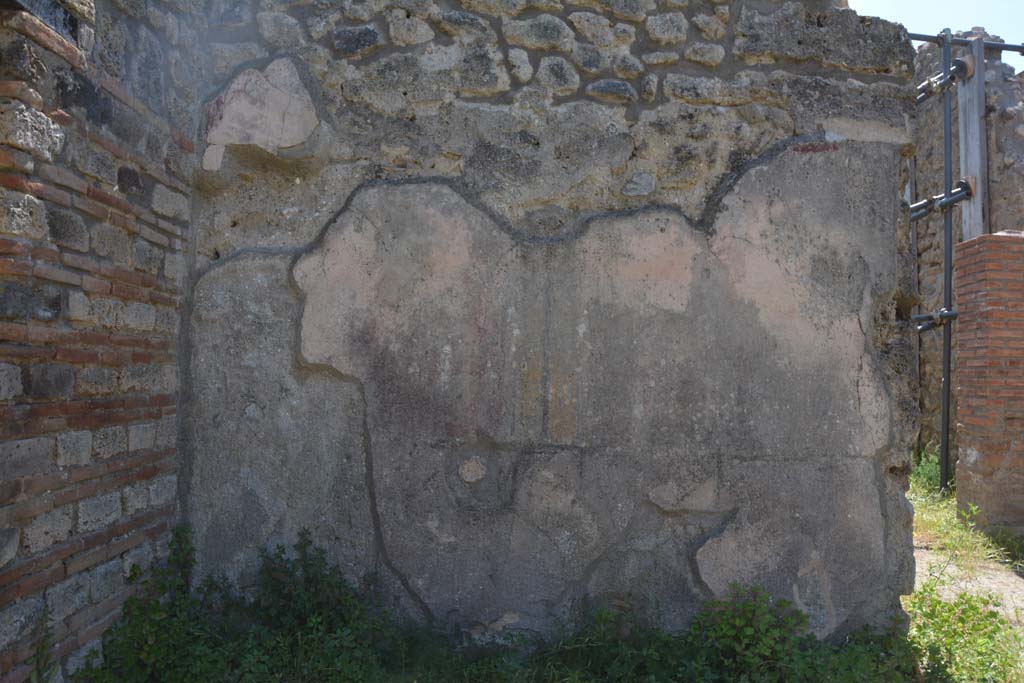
(947, 255)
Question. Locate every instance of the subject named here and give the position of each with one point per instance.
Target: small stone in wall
(406, 30)
(667, 29)
(633, 10)
(544, 32)
(705, 53)
(357, 41)
(279, 29)
(558, 76)
(656, 58)
(624, 34)
(611, 90)
(519, 60)
(593, 27)
(649, 87)
(710, 26)
(510, 8)
(588, 58)
(466, 27)
(628, 66)
(481, 72)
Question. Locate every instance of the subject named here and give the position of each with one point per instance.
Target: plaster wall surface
(530, 308)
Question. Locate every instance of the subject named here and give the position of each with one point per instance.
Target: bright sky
(1004, 18)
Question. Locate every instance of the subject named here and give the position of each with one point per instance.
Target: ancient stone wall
(95, 172)
(1004, 121)
(527, 306)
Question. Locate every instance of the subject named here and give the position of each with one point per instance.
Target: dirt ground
(987, 577)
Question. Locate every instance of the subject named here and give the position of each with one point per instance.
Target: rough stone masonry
(523, 307)
(531, 307)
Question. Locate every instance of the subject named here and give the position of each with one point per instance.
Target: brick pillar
(989, 290)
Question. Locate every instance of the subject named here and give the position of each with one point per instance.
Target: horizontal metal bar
(940, 202)
(989, 45)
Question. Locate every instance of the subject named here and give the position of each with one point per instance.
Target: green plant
(44, 669)
(304, 622)
(965, 639)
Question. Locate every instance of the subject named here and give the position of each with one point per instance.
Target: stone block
(136, 316)
(558, 76)
(704, 53)
(834, 38)
(10, 381)
(93, 162)
(167, 202)
(74, 448)
(611, 90)
(48, 529)
(29, 130)
(67, 229)
(111, 243)
(18, 619)
(22, 215)
(408, 30)
(68, 596)
(667, 29)
(357, 41)
(163, 490)
(96, 380)
(141, 436)
(135, 497)
(543, 32)
(10, 539)
(99, 512)
(26, 457)
(109, 441)
(151, 379)
(147, 256)
(22, 302)
(50, 381)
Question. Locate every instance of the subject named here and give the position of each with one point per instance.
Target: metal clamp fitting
(940, 202)
(960, 70)
(930, 321)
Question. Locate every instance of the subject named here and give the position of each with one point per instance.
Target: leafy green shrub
(966, 639)
(305, 623)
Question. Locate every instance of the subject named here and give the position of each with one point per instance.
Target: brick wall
(95, 157)
(989, 287)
